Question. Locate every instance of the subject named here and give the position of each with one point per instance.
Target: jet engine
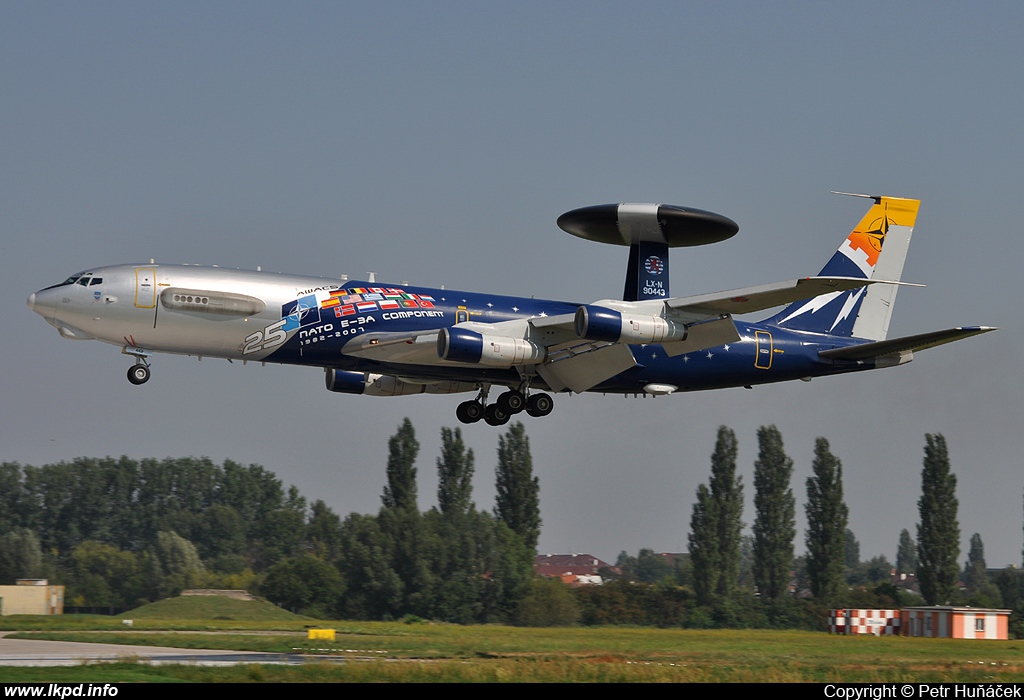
(463, 345)
(609, 325)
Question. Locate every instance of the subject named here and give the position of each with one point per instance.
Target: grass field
(423, 652)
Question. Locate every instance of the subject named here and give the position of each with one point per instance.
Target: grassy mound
(210, 607)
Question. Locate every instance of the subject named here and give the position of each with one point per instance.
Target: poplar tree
(827, 516)
(400, 492)
(517, 503)
(703, 545)
(401, 523)
(716, 524)
(906, 554)
(975, 574)
(938, 533)
(454, 475)
(727, 495)
(775, 523)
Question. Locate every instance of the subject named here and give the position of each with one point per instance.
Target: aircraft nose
(32, 301)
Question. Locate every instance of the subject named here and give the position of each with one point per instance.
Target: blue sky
(438, 142)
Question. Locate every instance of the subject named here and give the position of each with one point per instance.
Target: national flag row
(384, 304)
(378, 295)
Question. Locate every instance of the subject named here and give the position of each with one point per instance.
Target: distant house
(955, 623)
(573, 569)
(32, 596)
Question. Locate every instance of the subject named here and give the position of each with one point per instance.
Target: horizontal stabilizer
(910, 343)
(766, 296)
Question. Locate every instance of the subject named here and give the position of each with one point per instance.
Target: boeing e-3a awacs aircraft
(387, 340)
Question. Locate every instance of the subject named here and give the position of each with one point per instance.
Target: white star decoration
(515, 308)
(543, 314)
(710, 354)
(686, 358)
(726, 348)
(490, 305)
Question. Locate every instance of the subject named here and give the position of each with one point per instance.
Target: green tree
(550, 603)
(454, 474)
(975, 574)
(704, 547)
(727, 495)
(305, 585)
(518, 491)
(374, 589)
(827, 516)
(775, 524)
(717, 524)
(938, 533)
(20, 556)
(323, 533)
(101, 574)
(410, 543)
(400, 492)
(906, 554)
(175, 563)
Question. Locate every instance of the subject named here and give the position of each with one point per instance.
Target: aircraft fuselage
(261, 316)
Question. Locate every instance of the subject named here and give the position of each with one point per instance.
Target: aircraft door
(764, 350)
(461, 315)
(145, 288)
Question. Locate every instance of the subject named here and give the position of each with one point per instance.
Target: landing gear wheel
(469, 411)
(539, 405)
(496, 415)
(512, 402)
(138, 374)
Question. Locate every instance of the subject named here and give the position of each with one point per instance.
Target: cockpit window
(81, 278)
(96, 280)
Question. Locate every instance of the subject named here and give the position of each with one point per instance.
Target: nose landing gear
(138, 374)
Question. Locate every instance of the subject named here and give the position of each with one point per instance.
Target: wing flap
(910, 343)
(584, 365)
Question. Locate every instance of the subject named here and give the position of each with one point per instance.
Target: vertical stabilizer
(647, 270)
(875, 249)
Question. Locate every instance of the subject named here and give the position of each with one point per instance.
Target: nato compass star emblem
(654, 265)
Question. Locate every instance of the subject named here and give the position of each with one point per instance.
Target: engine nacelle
(370, 384)
(611, 326)
(463, 345)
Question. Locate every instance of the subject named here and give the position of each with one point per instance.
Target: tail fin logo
(863, 247)
(654, 265)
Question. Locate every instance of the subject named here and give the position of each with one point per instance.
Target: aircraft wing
(413, 347)
(908, 344)
(765, 296)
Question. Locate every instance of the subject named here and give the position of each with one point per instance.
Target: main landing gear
(508, 404)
